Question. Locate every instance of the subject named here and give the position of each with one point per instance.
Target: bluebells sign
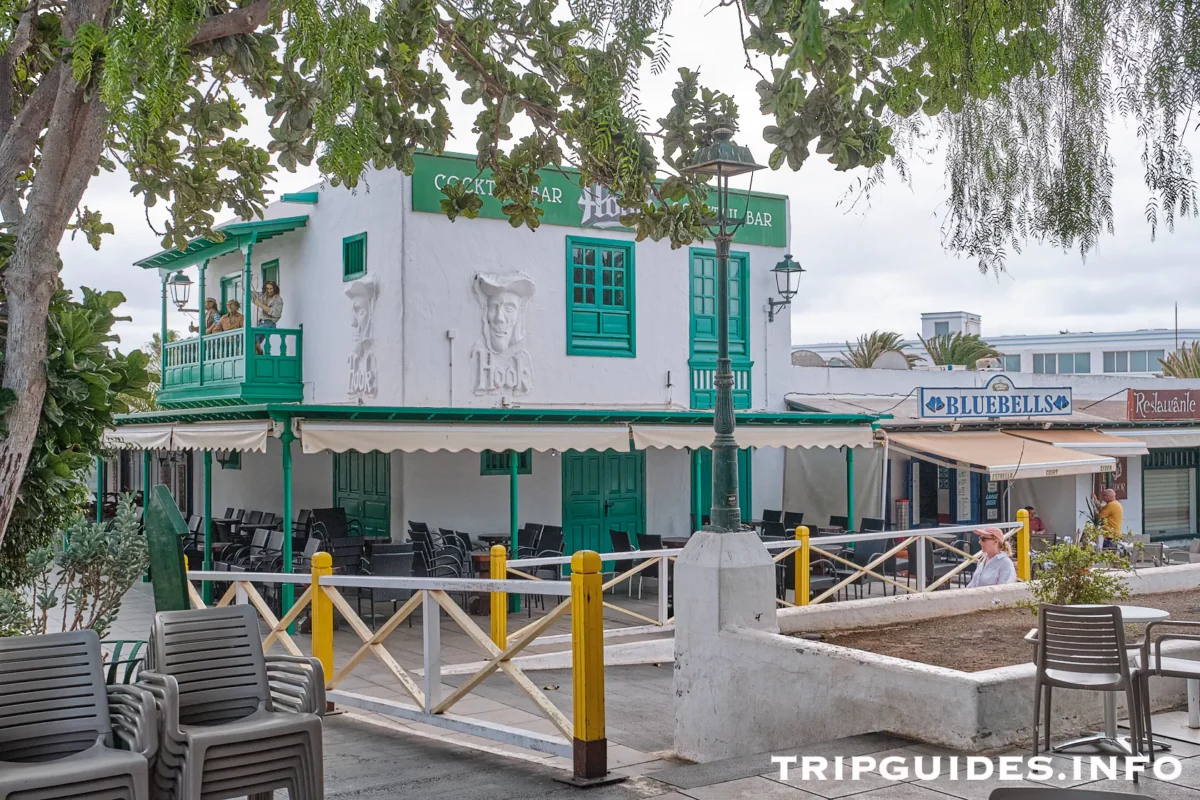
(996, 399)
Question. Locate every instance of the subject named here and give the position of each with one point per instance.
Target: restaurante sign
(997, 398)
(564, 203)
(1151, 404)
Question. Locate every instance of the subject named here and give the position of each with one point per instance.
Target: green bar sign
(567, 205)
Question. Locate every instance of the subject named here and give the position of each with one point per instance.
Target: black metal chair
(772, 516)
(839, 522)
(872, 525)
(648, 541)
(433, 559)
(397, 565)
(621, 544)
(793, 520)
(863, 554)
(527, 540)
(774, 530)
(550, 545)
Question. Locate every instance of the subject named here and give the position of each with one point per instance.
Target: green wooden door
(362, 484)
(601, 492)
(702, 483)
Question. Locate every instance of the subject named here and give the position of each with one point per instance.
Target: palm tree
(153, 348)
(958, 349)
(1184, 364)
(870, 346)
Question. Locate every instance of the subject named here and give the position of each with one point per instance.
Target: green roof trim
(307, 198)
(555, 416)
(237, 235)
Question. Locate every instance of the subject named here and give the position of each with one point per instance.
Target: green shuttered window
(600, 298)
(492, 463)
(354, 256)
(703, 328)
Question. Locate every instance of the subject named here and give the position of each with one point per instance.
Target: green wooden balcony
(225, 368)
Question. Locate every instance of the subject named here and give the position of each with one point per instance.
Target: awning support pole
(697, 499)
(248, 342)
(514, 600)
(883, 486)
(850, 488)
(162, 337)
(99, 488)
(206, 587)
(286, 439)
(145, 484)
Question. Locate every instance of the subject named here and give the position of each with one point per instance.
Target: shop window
(600, 298)
(497, 463)
(1062, 363)
(354, 256)
(1133, 360)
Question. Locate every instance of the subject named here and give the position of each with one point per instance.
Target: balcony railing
(228, 371)
(704, 392)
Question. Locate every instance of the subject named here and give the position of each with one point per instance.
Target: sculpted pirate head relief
(364, 376)
(502, 364)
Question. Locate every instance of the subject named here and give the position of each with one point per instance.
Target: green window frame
(703, 294)
(231, 289)
(601, 307)
(270, 271)
(497, 463)
(354, 256)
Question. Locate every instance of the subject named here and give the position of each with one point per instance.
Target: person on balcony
(212, 315)
(270, 310)
(996, 567)
(231, 320)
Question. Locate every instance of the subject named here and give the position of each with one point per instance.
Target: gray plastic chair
(220, 705)
(60, 726)
(1082, 647)
(1153, 664)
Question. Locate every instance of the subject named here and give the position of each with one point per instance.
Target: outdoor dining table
(1130, 615)
(675, 542)
(494, 538)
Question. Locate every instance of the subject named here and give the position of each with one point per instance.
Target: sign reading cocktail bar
(1151, 404)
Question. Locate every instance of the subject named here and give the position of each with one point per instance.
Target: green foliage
(87, 385)
(81, 585)
(958, 349)
(1069, 573)
(1184, 364)
(870, 346)
(153, 351)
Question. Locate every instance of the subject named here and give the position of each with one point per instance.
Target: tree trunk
(70, 154)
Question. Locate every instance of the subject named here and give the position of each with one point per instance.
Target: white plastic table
(1130, 615)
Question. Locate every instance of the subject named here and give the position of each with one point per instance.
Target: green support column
(99, 488)
(145, 484)
(697, 495)
(200, 303)
(514, 600)
(850, 487)
(248, 343)
(206, 590)
(286, 439)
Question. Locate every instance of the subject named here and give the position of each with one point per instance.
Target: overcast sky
(866, 271)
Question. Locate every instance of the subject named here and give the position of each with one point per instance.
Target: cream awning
(999, 456)
(431, 437)
(246, 436)
(697, 436)
(1165, 437)
(1102, 444)
(139, 437)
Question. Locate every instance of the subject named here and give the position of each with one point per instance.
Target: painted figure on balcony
(364, 379)
(502, 364)
(270, 310)
(212, 315)
(231, 320)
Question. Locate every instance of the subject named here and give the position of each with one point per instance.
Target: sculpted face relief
(500, 362)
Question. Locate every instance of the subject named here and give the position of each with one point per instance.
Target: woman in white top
(996, 567)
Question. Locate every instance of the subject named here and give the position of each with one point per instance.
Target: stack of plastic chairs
(60, 726)
(232, 722)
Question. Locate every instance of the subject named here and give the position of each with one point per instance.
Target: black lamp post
(723, 159)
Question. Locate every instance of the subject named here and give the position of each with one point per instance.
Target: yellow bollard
(803, 559)
(322, 614)
(498, 570)
(587, 664)
(1023, 570)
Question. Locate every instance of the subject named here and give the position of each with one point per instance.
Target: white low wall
(777, 691)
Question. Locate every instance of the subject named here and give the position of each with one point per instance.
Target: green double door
(362, 484)
(602, 492)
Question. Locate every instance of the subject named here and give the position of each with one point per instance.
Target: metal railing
(582, 739)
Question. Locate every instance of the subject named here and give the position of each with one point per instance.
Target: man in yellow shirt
(1112, 516)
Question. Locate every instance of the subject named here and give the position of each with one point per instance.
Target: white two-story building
(414, 354)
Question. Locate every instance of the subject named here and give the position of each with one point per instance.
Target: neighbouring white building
(1065, 353)
(414, 354)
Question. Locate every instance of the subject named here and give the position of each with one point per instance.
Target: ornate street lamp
(787, 283)
(723, 159)
(181, 289)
